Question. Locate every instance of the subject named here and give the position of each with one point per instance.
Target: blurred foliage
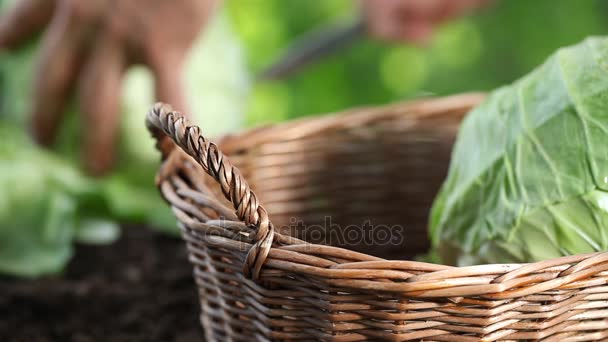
(480, 52)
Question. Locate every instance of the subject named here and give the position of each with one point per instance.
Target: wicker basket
(335, 181)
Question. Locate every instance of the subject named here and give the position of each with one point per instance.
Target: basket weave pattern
(258, 278)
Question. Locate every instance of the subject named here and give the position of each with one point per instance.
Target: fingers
(99, 98)
(378, 16)
(58, 63)
(169, 84)
(23, 21)
(412, 20)
(401, 20)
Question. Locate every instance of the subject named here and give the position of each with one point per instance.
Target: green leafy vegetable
(529, 173)
(45, 204)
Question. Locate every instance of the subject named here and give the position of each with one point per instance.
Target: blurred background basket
(304, 234)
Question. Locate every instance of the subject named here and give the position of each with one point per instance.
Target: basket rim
(344, 268)
(424, 107)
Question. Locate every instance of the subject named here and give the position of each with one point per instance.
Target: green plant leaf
(529, 168)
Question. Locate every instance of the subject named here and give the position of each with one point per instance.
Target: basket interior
(367, 188)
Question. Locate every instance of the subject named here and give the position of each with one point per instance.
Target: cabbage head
(528, 178)
(45, 204)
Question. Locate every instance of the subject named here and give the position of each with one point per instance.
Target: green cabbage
(45, 204)
(529, 174)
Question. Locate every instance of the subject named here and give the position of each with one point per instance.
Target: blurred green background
(47, 202)
(480, 52)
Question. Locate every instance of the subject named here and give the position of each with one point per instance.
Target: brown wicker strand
(234, 187)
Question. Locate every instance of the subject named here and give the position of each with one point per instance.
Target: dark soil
(138, 289)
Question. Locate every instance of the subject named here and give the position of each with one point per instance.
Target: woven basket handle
(171, 128)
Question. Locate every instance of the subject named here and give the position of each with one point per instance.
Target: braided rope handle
(165, 124)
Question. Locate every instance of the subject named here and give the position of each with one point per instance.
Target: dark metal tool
(312, 47)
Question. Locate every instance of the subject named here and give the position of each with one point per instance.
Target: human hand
(412, 20)
(87, 47)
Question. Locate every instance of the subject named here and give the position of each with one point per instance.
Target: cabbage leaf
(528, 178)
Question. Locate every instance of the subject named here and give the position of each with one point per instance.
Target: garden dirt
(137, 289)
